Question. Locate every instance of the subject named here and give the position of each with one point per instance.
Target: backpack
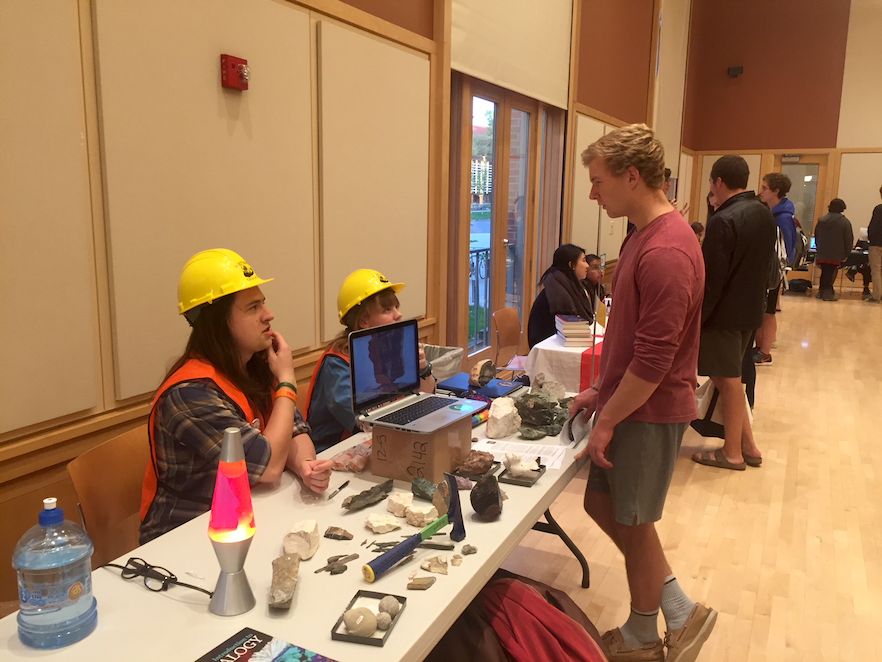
(801, 247)
(800, 285)
(780, 263)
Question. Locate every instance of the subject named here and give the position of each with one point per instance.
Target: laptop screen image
(385, 364)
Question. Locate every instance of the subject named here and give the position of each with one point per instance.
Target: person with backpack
(834, 237)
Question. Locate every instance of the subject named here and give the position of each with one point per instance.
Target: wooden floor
(789, 554)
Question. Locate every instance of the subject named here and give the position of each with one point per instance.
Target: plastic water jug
(53, 563)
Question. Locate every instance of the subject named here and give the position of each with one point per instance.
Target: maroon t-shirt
(655, 320)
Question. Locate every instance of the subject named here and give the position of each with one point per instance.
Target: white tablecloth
(559, 363)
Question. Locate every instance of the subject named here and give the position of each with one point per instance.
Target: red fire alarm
(234, 72)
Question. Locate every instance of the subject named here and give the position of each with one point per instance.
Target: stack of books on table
(573, 331)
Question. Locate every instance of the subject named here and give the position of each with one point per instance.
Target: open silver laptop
(384, 366)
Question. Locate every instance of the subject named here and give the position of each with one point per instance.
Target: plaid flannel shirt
(188, 433)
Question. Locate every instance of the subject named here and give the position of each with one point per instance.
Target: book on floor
(251, 645)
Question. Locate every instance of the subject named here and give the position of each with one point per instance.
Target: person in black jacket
(874, 234)
(738, 248)
(834, 237)
(563, 293)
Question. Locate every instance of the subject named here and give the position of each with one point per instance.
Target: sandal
(751, 461)
(717, 459)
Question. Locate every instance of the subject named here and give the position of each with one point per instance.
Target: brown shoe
(617, 651)
(684, 644)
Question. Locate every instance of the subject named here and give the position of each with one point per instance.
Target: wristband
(594, 388)
(286, 394)
(426, 372)
(288, 384)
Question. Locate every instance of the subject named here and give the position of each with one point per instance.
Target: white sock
(641, 628)
(675, 604)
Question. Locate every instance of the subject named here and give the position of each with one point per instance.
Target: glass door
(806, 187)
(496, 180)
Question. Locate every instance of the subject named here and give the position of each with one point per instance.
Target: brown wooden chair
(508, 340)
(108, 480)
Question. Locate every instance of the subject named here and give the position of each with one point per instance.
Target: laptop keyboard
(416, 410)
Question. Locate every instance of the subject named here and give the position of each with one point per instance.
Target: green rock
(537, 409)
(532, 433)
(423, 489)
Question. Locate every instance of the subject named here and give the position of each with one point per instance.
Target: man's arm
(718, 248)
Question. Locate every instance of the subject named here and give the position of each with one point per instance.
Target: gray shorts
(721, 352)
(643, 457)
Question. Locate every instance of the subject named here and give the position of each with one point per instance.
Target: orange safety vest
(192, 369)
(314, 379)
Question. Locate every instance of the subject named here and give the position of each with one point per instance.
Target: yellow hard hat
(213, 274)
(361, 284)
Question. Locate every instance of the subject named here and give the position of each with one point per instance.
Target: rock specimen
(421, 516)
(302, 539)
(532, 433)
(536, 409)
(381, 523)
(469, 549)
(441, 500)
(337, 564)
(542, 385)
(336, 533)
(456, 560)
(285, 569)
(481, 374)
(360, 621)
(390, 605)
(504, 419)
(398, 503)
(368, 497)
(422, 489)
(383, 621)
(436, 564)
(476, 464)
(420, 583)
(518, 467)
(487, 499)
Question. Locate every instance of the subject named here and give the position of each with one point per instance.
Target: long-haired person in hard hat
(235, 372)
(366, 299)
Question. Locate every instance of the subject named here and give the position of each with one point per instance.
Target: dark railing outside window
(479, 299)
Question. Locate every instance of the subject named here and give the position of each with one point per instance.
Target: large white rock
(541, 385)
(303, 539)
(436, 564)
(504, 419)
(518, 467)
(399, 502)
(421, 516)
(381, 523)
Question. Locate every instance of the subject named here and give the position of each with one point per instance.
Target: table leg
(554, 528)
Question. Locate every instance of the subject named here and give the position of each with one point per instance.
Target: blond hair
(633, 145)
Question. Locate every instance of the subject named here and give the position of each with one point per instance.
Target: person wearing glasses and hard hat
(366, 299)
(236, 371)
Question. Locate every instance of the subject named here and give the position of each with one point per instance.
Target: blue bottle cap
(51, 515)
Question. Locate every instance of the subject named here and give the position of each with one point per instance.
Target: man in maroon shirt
(645, 396)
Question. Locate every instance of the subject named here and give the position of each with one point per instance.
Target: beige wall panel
(49, 339)
(860, 176)
(586, 212)
(191, 166)
(684, 188)
(859, 114)
(521, 45)
(671, 82)
(374, 110)
(612, 234)
(707, 162)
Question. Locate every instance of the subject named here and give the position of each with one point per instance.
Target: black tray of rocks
(476, 477)
(523, 481)
(370, 600)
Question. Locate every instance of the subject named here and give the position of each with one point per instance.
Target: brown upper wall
(615, 49)
(789, 94)
(415, 15)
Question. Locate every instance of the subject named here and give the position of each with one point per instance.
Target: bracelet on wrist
(286, 394)
(594, 388)
(426, 372)
(286, 385)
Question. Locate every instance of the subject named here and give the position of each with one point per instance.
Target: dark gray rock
(486, 498)
(423, 489)
(368, 497)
